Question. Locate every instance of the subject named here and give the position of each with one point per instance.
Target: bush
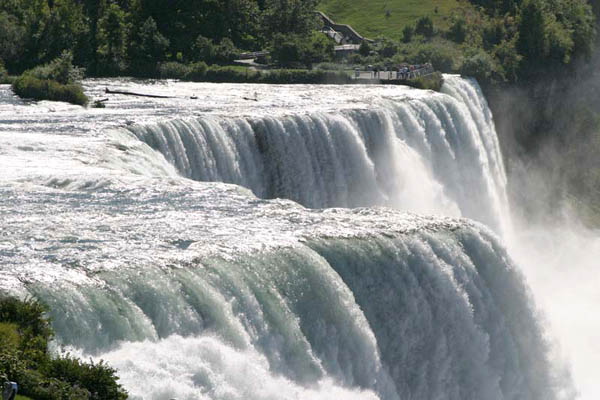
(27, 86)
(203, 49)
(97, 378)
(226, 52)
(441, 54)
(291, 76)
(173, 70)
(424, 27)
(364, 49)
(430, 82)
(9, 335)
(196, 71)
(458, 31)
(229, 74)
(39, 375)
(480, 66)
(60, 69)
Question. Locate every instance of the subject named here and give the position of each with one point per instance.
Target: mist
(550, 136)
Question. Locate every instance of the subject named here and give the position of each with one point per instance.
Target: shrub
(364, 49)
(430, 82)
(57, 81)
(480, 66)
(27, 86)
(291, 76)
(424, 27)
(9, 335)
(203, 49)
(173, 70)
(407, 33)
(226, 51)
(97, 378)
(39, 375)
(440, 54)
(458, 30)
(387, 48)
(196, 71)
(60, 69)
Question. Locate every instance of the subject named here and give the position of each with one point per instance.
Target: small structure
(345, 50)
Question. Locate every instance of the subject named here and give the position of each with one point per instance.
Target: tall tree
(289, 16)
(147, 47)
(112, 40)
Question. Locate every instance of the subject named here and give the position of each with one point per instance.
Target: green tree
(226, 51)
(35, 19)
(424, 27)
(112, 40)
(387, 48)
(407, 33)
(364, 49)
(531, 42)
(458, 30)
(203, 49)
(12, 39)
(147, 48)
(289, 17)
(66, 29)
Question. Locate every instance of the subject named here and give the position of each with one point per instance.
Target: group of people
(402, 72)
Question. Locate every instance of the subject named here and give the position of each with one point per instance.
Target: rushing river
(274, 242)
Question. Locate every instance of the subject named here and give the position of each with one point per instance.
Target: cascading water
(209, 290)
(425, 155)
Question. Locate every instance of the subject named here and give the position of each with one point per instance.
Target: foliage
(112, 40)
(429, 82)
(97, 378)
(424, 26)
(203, 49)
(287, 17)
(387, 48)
(458, 30)
(443, 55)
(364, 49)
(24, 358)
(27, 86)
(58, 81)
(294, 50)
(9, 335)
(407, 33)
(199, 72)
(148, 47)
(60, 69)
(480, 66)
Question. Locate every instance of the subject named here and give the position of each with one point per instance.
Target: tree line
(111, 37)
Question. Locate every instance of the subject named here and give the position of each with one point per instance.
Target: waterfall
(244, 256)
(436, 313)
(431, 154)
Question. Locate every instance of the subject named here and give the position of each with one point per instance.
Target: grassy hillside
(373, 18)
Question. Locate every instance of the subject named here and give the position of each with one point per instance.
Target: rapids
(200, 245)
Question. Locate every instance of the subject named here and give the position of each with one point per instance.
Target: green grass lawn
(368, 17)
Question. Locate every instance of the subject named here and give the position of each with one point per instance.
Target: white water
(202, 290)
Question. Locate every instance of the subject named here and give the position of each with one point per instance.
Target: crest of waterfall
(432, 154)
